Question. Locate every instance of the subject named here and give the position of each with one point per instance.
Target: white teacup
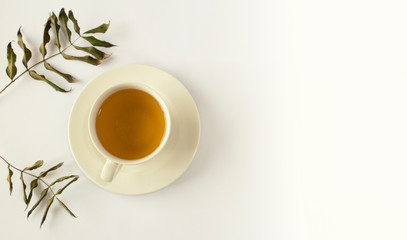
(113, 163)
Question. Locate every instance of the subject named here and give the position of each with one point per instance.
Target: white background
(303, 113)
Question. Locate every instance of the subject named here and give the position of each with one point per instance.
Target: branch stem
(32, 175)
(43, 60)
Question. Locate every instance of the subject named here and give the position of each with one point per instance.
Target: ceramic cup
(113, 164)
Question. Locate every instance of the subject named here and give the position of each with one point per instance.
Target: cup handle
(109, 170)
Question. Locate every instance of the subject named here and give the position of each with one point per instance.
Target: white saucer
(167, 165)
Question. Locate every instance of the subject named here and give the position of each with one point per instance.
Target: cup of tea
(129, 124)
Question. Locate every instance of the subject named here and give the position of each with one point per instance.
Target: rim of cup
(92, 122)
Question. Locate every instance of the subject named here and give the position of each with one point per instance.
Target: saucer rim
(193, 136)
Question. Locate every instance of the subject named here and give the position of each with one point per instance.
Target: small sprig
(40, 178)
(58, 24)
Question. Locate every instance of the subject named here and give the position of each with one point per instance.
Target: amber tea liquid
(130, 124)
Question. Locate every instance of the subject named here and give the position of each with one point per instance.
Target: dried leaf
(66, 208)
(27, 52)
(10, 174)
(54, 21)
(33, 185)
(46, 38)
(43, 174)
(101, 29)
(87, 59)
(49, 203)
(61, 179)
(69, 183)
(75, 22)
(94, 52)
(98, 43)
(11, 58)
(37, 76)
(63, 19)
(68, 77)
(36, 165)
(24, 189)
(42, 196)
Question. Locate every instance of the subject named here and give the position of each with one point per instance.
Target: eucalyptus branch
(94, 57)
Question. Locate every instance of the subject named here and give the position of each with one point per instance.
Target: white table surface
(303, 113)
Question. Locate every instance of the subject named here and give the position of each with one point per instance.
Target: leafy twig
(96, 56)
(34, 184)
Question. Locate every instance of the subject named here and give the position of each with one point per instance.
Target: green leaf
(42, 196)
(24, 188)
(33, 185)
(66, 208)
(101, 29)
(94, 52)
(10, 174)
(75, 22)
(69, 183)
(27, 52)
(87, 59)
(37, 76)
(36, 165)
(63, 19)
(98, 43)
(49, 203)
(68, 77)
(11, 58)
(43, 174)
(54, 21)
(46, 37)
